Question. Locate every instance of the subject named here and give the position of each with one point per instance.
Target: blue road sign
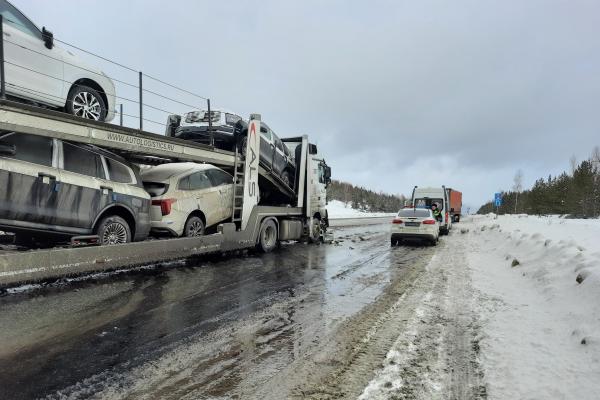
(498, 199)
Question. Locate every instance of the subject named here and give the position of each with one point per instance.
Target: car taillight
(446, 216)
(165, 205)
(429, 222)
(397, 221)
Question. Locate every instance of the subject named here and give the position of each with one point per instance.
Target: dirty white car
(415, 223)
(39, 71)
(187, 197)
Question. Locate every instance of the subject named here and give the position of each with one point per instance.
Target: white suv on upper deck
(38, 71)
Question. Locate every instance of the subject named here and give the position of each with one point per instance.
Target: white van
(425, 197)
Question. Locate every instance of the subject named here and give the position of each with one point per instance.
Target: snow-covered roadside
(538, 288)
(337, 209)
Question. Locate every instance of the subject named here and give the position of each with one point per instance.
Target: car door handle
(103, 187)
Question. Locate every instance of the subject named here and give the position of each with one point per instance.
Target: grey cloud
(386, 88)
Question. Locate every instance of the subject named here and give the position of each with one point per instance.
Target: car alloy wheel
(86, 105)
(195, 228)
(114, 233)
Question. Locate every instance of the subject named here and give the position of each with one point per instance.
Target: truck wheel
(316, 231)
(113, 230)
(193, 227)
(267, 240)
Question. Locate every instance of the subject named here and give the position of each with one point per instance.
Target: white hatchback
(415, 223)
(187, 197)
(40, 72)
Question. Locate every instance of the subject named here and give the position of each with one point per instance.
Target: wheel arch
(92, 84)
(197, 213)
(119, 210)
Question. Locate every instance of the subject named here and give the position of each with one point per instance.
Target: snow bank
(538, 280)
(339, 209)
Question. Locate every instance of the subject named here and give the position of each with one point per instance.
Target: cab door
(32, 70)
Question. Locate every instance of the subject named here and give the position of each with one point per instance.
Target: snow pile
(538, 280)
(339, 209)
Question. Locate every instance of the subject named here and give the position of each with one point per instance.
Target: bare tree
(517, 186)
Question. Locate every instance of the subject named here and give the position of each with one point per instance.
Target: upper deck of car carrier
(134, 145)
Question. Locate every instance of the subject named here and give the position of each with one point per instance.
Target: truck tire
(316, 231)
(113, 230)
(267, 240)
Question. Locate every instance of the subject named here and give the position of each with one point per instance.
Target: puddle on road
(305, 290)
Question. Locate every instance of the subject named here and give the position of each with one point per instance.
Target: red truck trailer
(455, 204)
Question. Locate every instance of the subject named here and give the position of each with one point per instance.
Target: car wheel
(193, 227)
(85, 102)
(113, 230)
(285, 177)
(267, 240)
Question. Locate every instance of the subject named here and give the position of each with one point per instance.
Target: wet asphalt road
(99, 335)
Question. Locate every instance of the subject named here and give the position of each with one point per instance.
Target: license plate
(412, 223)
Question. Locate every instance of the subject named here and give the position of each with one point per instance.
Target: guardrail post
(2, 84)
(141, 103)
(210, 130)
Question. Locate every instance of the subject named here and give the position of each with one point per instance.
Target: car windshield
(414, 212)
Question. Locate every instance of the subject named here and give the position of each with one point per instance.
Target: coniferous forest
(364, 199)
(576, 194)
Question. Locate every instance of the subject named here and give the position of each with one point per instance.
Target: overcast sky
(395, 93)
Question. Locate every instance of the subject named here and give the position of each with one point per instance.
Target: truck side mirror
(48, 38)
(7, 149)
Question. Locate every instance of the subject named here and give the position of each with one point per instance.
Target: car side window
(219, 177)
(199, 181)
(279, 145)
(118, 172)
(17, 20)
(29, 148)
(82, 161)
(184, 183)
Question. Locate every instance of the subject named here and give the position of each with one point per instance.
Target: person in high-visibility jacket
(437, 213)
